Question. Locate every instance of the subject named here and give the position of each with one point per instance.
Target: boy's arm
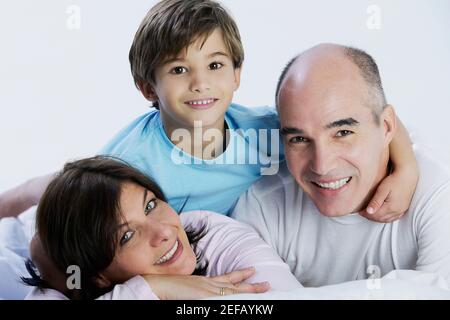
(395, 192)
(20, 198)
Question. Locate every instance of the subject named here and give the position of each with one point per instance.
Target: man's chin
(333, 212)
(332, 209)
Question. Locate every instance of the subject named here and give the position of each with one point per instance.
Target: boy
(186, 59)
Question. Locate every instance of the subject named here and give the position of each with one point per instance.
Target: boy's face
(196, 85)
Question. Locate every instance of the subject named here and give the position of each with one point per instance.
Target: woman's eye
(297, 139)
(343, 133)
(126, 237)
(150, 206)
(178, 70)
(215, 65)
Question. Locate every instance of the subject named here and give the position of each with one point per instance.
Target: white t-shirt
(323, 250)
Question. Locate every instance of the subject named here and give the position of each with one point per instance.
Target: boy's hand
(393, 196)
(174, 287)
(16, 200)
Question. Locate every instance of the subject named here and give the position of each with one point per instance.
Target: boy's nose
(199, 82)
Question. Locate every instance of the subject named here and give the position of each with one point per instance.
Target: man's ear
(102, 281)
(147, 91)
(389, 122)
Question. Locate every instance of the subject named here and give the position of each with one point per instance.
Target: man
(337, 127)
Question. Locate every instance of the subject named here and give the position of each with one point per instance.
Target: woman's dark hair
(78, 217)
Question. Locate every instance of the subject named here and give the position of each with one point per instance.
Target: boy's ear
(389, 122)
(147, 91)
(237, 77)
(101, 281)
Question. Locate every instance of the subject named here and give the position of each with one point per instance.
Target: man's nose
(157, 232)
(199, 81)
(322, 160)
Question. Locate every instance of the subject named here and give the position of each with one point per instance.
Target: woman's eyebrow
(145, 197)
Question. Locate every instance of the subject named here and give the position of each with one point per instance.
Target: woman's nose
(158, 233)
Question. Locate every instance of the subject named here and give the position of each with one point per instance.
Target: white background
(66, 91)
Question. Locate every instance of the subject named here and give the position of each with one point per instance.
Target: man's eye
(126, 237)
(297, 139)
(178, 70)
(343, 133)
(215, 65)
(150, 206)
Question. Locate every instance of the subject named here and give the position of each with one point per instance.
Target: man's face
(334, 148)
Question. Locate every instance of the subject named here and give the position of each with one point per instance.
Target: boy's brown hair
(172, 25)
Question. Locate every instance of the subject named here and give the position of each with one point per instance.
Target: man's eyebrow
(342, 122)
(290, 130)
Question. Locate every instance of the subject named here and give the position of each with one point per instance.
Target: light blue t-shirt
(254, 149)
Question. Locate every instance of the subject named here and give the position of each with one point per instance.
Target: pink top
(228, 246)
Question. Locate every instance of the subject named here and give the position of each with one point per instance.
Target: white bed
(15, 234)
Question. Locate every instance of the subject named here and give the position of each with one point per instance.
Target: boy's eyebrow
(218, 53)
(170, 60)
(178, 59)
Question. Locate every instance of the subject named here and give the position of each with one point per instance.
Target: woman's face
(151, 238)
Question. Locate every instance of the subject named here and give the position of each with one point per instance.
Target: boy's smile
(196, 85)
(201, 103)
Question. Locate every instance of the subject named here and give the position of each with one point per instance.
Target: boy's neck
(203, 142)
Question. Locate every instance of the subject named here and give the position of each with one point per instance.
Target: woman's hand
(174, 287)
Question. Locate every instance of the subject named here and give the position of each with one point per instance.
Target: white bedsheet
(396, 285)
(16, 233)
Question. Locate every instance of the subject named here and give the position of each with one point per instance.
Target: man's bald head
(332, 62)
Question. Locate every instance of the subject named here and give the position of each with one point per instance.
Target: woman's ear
(389, 121)
(102, 281)
(147, 91)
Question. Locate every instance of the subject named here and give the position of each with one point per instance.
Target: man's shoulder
(433, 174)
(433, 188)
(264, 117)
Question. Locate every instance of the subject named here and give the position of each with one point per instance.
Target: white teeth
(201, 102)
(169, 254)
(335, 184)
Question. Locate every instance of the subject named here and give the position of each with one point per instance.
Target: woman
(104, 230)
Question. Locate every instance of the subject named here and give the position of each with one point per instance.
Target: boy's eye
(178, 70)
(126, 237)
(297, 139)
(150, 206)
(215, 65)
(343, 133)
